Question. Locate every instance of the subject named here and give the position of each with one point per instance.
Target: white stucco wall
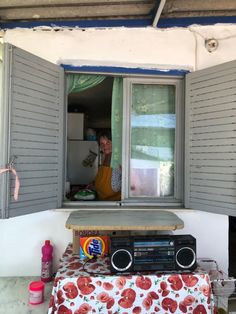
(177, 48)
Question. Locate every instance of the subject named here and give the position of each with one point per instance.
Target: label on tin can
(35, 297)
(36, 292)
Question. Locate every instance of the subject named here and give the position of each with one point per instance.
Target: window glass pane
(153, 123)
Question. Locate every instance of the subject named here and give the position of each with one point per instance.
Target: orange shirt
(103, 185)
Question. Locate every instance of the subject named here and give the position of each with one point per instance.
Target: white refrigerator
(82, 161)
(82, 156)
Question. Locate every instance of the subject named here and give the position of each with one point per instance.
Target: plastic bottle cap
(47, 242)
(36, 285)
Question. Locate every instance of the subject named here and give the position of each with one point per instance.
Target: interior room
(89, 113)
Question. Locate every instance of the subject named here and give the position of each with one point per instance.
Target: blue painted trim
(163, 22)
(79, 23)
(122, 70)
(203, 20)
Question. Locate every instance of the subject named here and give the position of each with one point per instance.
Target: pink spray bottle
(46, 270)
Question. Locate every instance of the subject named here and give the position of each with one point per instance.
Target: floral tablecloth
(82, 289)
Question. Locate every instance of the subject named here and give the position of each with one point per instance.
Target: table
(77, 291)
(121, 220)
(124, 220)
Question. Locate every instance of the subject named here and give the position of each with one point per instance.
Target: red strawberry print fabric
(76, 291)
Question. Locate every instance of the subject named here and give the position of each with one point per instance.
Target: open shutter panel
(36, 109)
(1, 132)
(210, 178)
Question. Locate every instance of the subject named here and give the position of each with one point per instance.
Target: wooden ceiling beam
(54, 3)
(100, 11)
(193, 7)
(35, 10)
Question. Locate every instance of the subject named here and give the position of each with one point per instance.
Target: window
(152, 125)
(153, 129)
(191, 161)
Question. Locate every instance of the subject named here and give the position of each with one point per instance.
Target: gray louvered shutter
(210, 177)
(1, 129)
(34, 110)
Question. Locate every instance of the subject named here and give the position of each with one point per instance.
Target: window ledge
(98, 206)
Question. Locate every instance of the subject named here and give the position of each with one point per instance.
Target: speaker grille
(185, 257)
(121, 260)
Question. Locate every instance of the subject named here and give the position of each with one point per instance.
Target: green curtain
(153, 122)
(79, 82)
(153, 99)
(116, 122)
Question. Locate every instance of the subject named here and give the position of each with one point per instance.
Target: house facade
(177, 48)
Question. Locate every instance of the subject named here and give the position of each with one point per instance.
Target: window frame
(177, 202)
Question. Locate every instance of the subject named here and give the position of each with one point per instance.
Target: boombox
(155, 253)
